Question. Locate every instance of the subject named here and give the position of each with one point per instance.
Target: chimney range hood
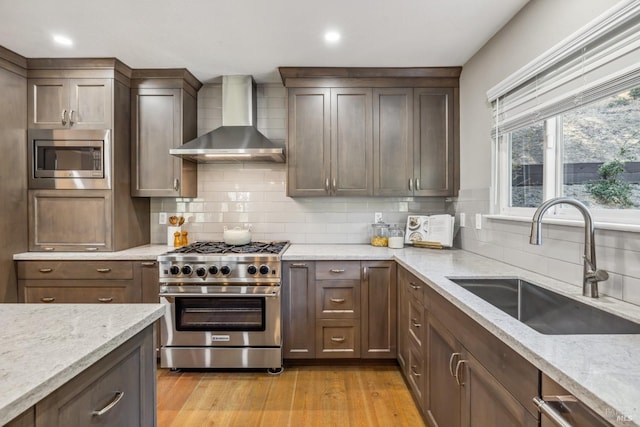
(237, 139)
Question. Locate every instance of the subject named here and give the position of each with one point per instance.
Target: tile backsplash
(235, 194)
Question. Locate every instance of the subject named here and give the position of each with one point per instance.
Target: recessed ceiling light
(62, 40)
(332, 36)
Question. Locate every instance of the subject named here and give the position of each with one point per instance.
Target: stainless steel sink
(546, 311)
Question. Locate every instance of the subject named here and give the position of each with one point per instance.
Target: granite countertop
(141, 253)
(46, 345)
(601, 370)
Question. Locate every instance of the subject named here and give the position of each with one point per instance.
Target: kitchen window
(568, 124)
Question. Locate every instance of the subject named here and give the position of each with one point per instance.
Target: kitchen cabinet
(339, 309)
(380, 132)
(330, 142)
(117, 390)
(78, 103)
(79, 282)
(163, 116)
(149, 281)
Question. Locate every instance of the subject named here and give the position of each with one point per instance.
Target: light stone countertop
(46, 345)
(601, 370)
(141, 253)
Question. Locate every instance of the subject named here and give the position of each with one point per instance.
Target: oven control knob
(264, 269)
(174, 270)
(225, 270)
(213, 270)
(187, 270)
(252, 269)
(201, 271)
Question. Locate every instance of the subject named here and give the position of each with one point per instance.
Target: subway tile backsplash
(235, 194)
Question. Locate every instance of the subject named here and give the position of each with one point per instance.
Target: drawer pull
(414, 372)
(91, 249)
(551, 412)
(46, 270)
(415, 324)
(118, 396)
(299, 265)
(459, 365)
(47, 299)
(337, 270)
(337, 339)
(414, 286)
(103, 270)
(337, 300)
(49, 248)
(148, 263)
(105, 299)
(452, 359)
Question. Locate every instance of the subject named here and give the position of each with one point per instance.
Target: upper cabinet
(163, 116)
(370, 131)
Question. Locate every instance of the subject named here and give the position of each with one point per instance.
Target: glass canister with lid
(380, 234)
(396, 237)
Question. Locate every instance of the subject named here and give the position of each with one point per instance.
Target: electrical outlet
(478, 221)
(463, 219)
(377, 217)
(162, 218)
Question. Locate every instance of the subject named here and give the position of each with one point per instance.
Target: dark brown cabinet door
(298, 310)
(351, 142)
(48, 99)
(393, 141)
(378, 310)
(309, 152)
(433, 142)
(403, 319)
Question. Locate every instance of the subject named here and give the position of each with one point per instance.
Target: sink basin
(546, 311)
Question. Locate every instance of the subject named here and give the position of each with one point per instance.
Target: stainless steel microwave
(69, 159)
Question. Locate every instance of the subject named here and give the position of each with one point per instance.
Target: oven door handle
(219, 295)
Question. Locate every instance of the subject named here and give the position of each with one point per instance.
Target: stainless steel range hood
(237, 139)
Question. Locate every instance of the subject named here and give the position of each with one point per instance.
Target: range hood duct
(237, 139)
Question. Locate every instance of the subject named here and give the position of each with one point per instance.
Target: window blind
(601, 59)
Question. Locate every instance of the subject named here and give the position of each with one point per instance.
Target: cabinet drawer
(112, 293)
(416, 373)
(338, 338)
(415, 288)
(342, 270)
(338, 299)
(416, 323)
(120, 270)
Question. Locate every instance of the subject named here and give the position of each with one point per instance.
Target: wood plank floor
(345, 396)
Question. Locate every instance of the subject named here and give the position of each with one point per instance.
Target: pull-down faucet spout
(591, 275)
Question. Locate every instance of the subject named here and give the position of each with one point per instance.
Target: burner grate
(210, 247)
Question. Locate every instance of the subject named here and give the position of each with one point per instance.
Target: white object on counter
(396, 242)
(237, 235)
(171, 230)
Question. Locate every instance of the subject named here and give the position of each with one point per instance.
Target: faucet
(591, 275)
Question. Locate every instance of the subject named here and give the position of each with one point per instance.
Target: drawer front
(109, 292)
(340, 270)
(119, 270)
(415, 288)
(416, 374)
(338, 338)
(338, 299)
(416, 323)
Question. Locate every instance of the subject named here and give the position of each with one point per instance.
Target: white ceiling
(212, 37)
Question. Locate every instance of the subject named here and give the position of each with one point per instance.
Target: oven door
(237, 317)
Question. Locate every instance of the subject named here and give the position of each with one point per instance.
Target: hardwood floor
(371, 395)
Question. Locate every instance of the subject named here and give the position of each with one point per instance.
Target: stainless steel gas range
(223, 306)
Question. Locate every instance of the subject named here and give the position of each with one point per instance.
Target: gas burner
(213, 248)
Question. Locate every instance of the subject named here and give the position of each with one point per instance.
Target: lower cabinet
(118, 390)
(339, 309)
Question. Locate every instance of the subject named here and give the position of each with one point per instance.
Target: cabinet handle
(414, 372)
(337, 270)
(459, 365)
(63, 117)
(148, 263)
(365, 274)
(451, 362)
(103, 270)
(337, 339)
(105, 299)
(551, 412)
(418, 184)
(326, 185)
(46, 270)
(333, 184)
(71, 117)
(176, 184)
(415, 323)
(410, 184)
(116, 398)
(91, 249)
(47, 299)
(337, 300)
(299, 265)
(414, 286)
(49, 248)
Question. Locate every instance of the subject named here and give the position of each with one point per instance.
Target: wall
(539, 26)
(235, 194)
(13, 168)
